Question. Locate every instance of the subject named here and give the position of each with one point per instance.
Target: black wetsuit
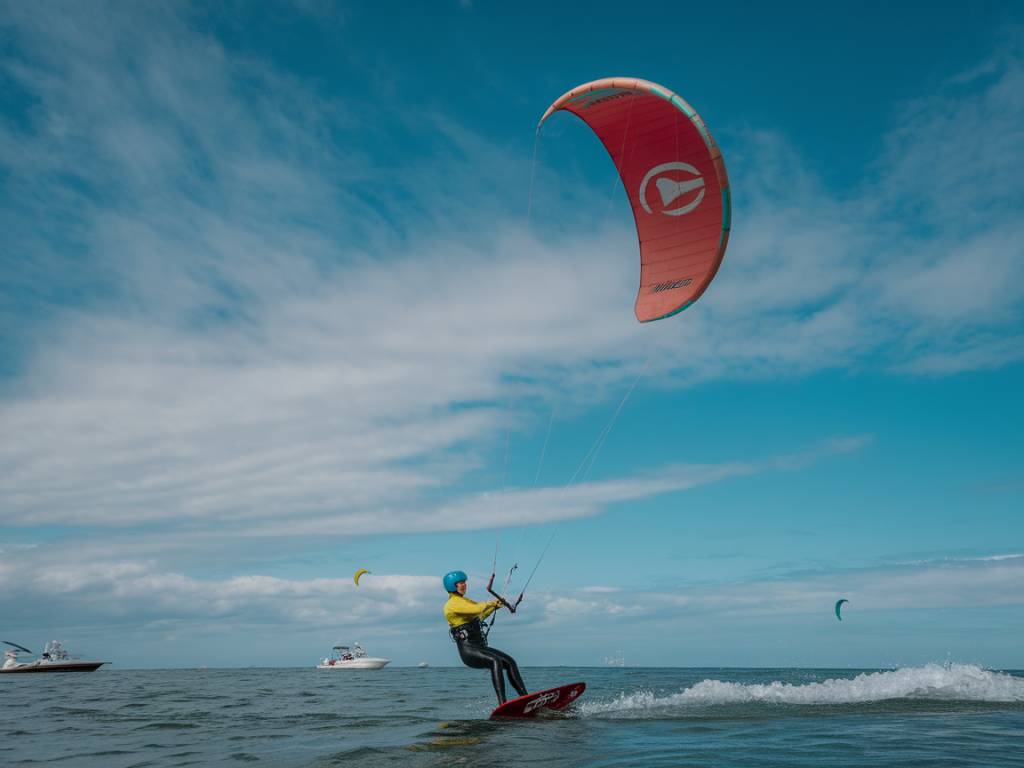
(475, 653)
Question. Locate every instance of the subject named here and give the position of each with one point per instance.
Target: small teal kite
(839, 604)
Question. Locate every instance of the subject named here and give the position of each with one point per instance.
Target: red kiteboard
(532, 703)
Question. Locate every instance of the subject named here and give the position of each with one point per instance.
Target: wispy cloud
(142, 592)
(231, 322)
(138, 591)
(994, 580)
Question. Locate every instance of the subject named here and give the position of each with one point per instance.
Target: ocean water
(935, 715)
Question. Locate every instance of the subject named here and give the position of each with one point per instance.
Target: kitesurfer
(466, 622)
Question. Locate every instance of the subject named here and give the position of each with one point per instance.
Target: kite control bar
(511, 606)
(515, 567)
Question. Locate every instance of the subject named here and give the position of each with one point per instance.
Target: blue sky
(272, 311)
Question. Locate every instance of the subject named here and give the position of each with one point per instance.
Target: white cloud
(282, 355)
(994, 580)
(139, 591)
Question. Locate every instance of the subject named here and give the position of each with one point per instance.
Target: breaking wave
(932, 682)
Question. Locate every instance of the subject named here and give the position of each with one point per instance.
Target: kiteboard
(532, 703)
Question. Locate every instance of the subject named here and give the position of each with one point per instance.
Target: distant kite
(839, 605)
(359, 573)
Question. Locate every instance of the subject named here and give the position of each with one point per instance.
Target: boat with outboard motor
(344, 657)
(54, 658)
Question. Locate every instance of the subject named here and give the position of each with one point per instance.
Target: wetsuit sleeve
(459, 610)
(489, 607)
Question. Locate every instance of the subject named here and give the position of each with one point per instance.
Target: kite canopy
(675, 177)
(358, 575)
(839, 605)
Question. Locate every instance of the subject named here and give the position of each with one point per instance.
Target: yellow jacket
(460, 610)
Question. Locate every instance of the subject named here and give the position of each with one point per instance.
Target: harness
(473, 632)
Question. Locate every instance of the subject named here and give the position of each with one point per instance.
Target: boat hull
(363, 663)
(64, 666)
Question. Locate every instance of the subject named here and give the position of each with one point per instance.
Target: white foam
(951, 682)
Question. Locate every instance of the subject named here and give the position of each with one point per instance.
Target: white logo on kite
(672, 190)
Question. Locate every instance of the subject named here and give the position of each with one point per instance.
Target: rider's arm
(458, 610)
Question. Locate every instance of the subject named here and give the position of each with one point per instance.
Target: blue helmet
(453, 578)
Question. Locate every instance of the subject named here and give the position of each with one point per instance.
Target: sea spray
(952, 682)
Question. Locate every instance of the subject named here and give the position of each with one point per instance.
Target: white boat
(54, 658)
(355, 657)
